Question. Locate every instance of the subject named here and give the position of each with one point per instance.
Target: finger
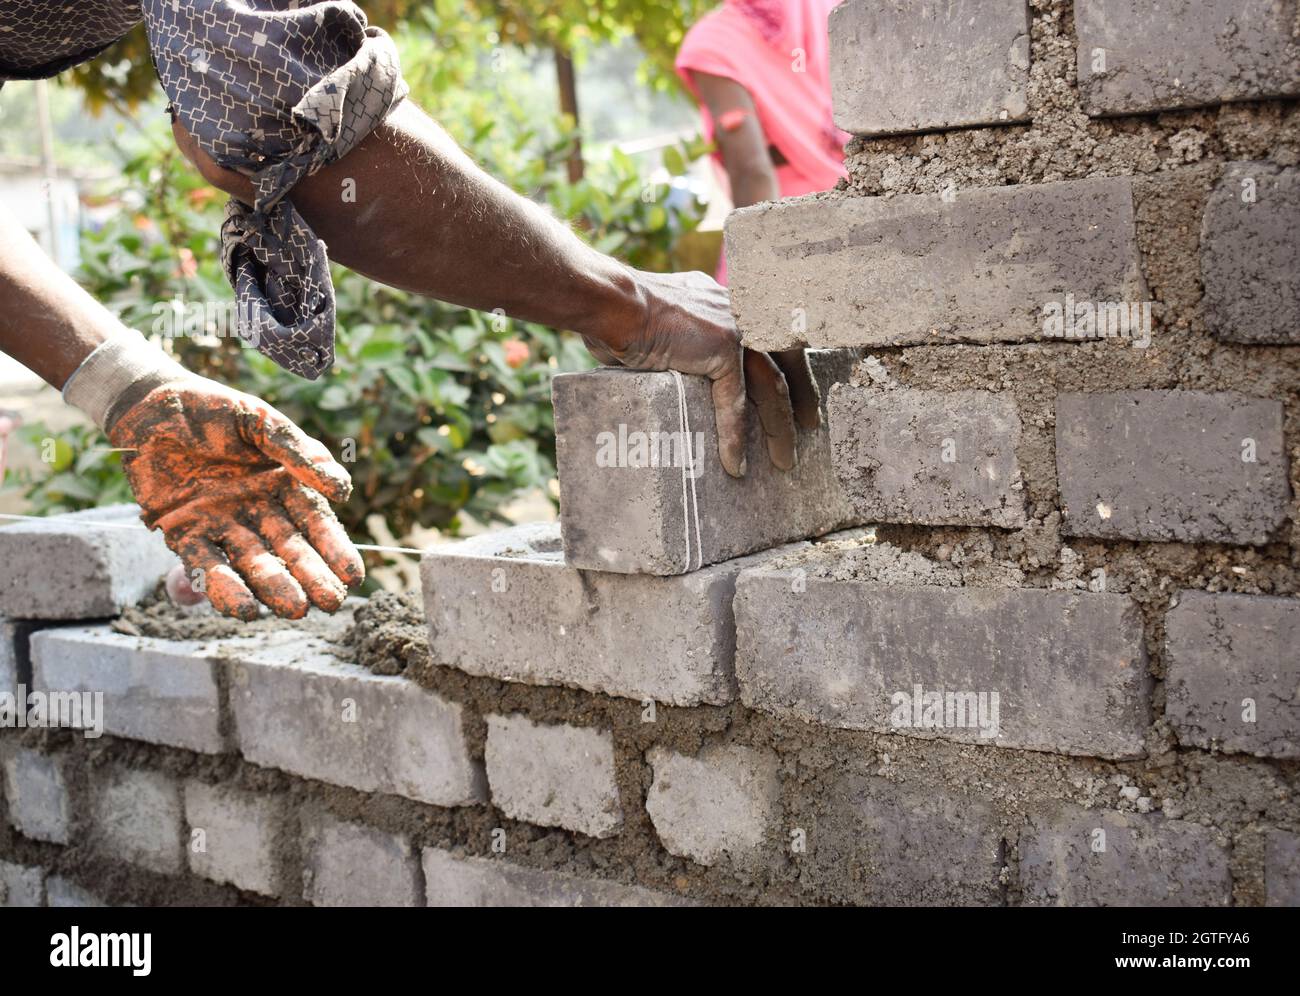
(729, 412)
(314, 518)
(767, 389)
(204, 560)
(307, 459)
(322, 587)
(805, 398)
(263, 572)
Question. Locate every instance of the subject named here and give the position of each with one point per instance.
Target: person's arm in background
(232, 483)
(428, 220)
(739, 136)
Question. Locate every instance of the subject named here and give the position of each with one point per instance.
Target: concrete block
(634, 501)
(1183, 466)
(453, 880)
(155, 690)
(1078, 857)
(554, 776)
(1250, 241)
(725, 801)
(1135, 56)
(505, 605)
(300, 709)
(62, 892)
(232, 836)
(82, 565)
(875, 842)
(21, 886)
(865, 640)
(1281, 868)
(1232, 670)
(15, 663)
(351, 865)
(903, 66)
(37, 795)
(136, 818)
(988, 264)
(929, 457)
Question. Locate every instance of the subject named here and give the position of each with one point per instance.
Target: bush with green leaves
(433, 408)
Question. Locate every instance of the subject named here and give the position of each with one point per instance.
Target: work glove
(240, 493)
(688, 327)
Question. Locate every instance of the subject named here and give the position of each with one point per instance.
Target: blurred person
(290, 107)
(760, 70)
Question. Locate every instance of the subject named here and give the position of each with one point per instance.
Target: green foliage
(433, 408)
(79, 470)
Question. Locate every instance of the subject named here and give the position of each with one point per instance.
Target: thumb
(307, 460)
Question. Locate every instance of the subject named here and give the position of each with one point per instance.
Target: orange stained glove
(239, 493)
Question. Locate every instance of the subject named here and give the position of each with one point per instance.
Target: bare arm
(427, 219)
(740, 140)
(48, 324)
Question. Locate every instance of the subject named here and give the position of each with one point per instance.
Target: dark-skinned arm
(427, 219)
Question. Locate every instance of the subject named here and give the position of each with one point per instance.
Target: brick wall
(1060, 669)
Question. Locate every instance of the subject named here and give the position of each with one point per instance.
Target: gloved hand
(237, 489)
(688, 327)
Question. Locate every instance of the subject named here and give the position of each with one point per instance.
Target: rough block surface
(818, 639)
(554, 776)
(917, 269)
(1078, 857)
(633, 501)
(136, 817)
(21, 886)
(456, 880)
(902, 66)
(1232, 670)
(238, 836)
(298, 708)
(1137, 56)
(928, 457)
(351, 865)
(1186, 466)
(723, 802)
(82, 565)
(62, 892)
(505, 605)
(1250, 242)
(1281, 868)
(37, 795)
(159, 691)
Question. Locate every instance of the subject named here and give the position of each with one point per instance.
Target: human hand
(687, 326)
(240, 494)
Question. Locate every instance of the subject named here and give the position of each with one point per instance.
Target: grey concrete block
(1183, 466)
(929, 457)
(725, 801)
(62, 892)
(14, 636)
(232, 836)
(907, 844)
(351, 865)
(1232, 670)
(298, 708)
(1281, 868)
(453, 880)
(646, 509)
(82, 565)
(155, 690)
(505, 605)
(918, 269)
(1250, 242)
(21, 886)
(903, 66)
(818, 640)
(1135, 56)
(37, 795)
(1077, 857)
(136, 818)
(554, 776)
